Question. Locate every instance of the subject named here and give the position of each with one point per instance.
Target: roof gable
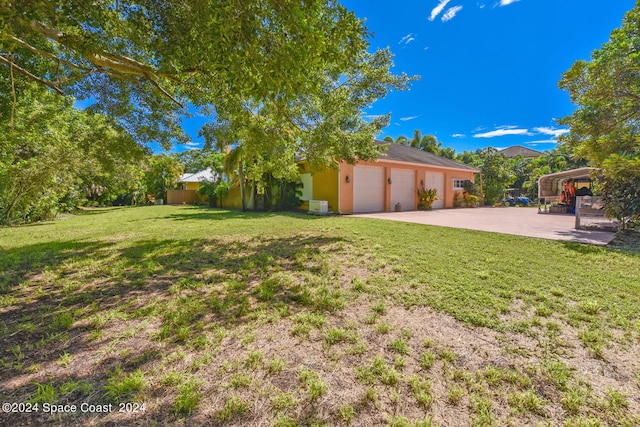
(200, 176)
(518, 150)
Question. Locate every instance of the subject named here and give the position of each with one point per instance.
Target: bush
(427, 197)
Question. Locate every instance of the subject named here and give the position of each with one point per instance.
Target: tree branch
(165, 93)
(31, 76)
(46, 54)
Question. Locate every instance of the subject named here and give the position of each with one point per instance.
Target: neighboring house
(189, 184)
(518, 150)
(378, 186)
(191, 181)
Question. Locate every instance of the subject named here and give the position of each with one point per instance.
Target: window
(458, 184)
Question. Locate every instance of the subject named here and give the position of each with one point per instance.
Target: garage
(435, 180)
(403, 189)
(368, 189)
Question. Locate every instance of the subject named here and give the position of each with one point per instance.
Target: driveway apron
(513, 220)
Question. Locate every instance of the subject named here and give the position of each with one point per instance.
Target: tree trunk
(244, 204)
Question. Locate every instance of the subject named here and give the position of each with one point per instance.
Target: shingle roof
(404, 153)
(518, 150)
(203, 175)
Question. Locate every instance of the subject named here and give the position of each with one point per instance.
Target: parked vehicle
(510, 200)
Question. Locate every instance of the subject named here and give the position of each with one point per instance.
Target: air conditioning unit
(318, 207)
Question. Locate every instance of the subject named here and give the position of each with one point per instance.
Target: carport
(550, 185)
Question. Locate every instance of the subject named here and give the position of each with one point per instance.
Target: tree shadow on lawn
(222, 214)
(27, 262)
(96, 211)
(104, 306)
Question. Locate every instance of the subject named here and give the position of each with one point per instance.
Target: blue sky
(489, 68)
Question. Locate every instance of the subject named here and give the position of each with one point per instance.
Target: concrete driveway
(513, 220)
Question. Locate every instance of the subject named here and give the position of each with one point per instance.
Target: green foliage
(427, 197)
(312, 381)
(121, 385)
(145, 79)
(428, 143)
(496, 174)
(347, 413)
(604, 126)
(46, 393)
(399, 345)
(54, 158)
(234, 407)
(197, 160)
(188, 397)
(421, 390)
(620, 187)
(279, 79)
(163, 174)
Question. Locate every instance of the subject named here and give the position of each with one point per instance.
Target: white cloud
(507, 2)
(406, 119)
(506, 130)
(544, 141)
(407, 39)
(451, 13)
(436, 10)
(458, 135)
(551, 131)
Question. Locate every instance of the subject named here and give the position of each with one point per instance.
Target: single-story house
(188, 184)
(378, 186)
(191, 181)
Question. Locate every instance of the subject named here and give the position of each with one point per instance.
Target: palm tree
(234, 161)
(416, 140)
(402, 140)
(430, 144)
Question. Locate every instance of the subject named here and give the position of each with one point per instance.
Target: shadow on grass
(90, 303)
(27, 262)
(95, 211)
(222, 214)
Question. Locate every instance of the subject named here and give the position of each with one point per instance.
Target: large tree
(54, 157)
(605, 127)
(295, 69)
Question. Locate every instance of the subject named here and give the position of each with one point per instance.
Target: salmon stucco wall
(347, 192)
(448, 183)
(346, 188)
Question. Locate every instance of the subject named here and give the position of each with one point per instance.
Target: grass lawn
(167, 315)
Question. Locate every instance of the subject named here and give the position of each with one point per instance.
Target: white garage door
(368, 189)
(403, 189)
(435, 180)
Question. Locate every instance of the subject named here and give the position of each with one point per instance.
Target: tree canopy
(605, 127)
(294, 73)
(56, 157)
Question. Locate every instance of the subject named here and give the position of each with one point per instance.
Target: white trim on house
(458, 183)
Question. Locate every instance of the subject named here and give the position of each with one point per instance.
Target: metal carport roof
(550, 185)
